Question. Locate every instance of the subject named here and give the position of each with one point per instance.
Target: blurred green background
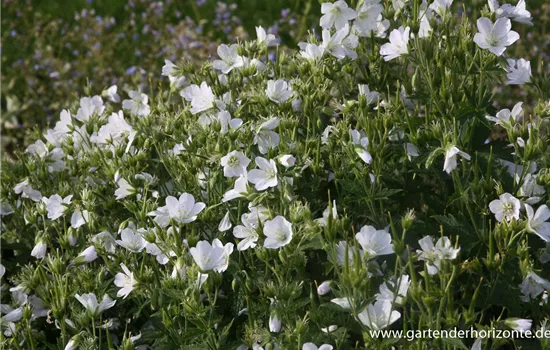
(55, 51)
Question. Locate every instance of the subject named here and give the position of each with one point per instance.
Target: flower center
(271, 173)
(233, 161)
(281, 235)
(492, 40)
(508, 208)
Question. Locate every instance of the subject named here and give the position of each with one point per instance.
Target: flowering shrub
(294, 203)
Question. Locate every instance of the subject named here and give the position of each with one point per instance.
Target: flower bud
(88, 255)
(274, 323)
(117, 176)
(73, 343)
(518, 324)
(408, 219)
(324, 288)
(39, 250)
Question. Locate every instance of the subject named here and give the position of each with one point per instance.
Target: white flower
(229, 59)
(428, 255)
(336, 14)
(506, 207)
(247, 232)
(399, 4)
(173, 73)
(87, 255)
(27, 191)
(450, 158)
(89, 301)
(153, 249)
(89, 106)
(312, 52)
(361, 143)
(264, 38)
(39, 250)
(274, 323)
(537, 221)
(344, 303)
(287, 160)
(14, 315)
(532, 286)
(169, 69)
(517, 13)
(234, 164)
(378, 315)
(254, 63)
(73, 343)
(529, 188)
(79, 218)
(343, 249)
(124, 189)
(265, 137)
(207, 256)
(278, 233)
(176, 150)
(368, 17)
(5, 209)
(225, 223)
(350, 42)
(227, 250)
(2, 270)
(106, 240)
(279, 91)
(399, 39)
(132, 240)
(125, 281)
(371, 97)
(477, 344)
(506, 118)
(519, 324)
(440, 6)
(378, 28)
(374, 242)
(202, 98)
(111, 94)
(495, 37)
(115, 132)
(338, 44)
(53, 158)
(72, 239)
(311, 346)
(426, 15)
(388, 290)
(63, 127)
(38, 148)
(239, 189)
(227, 123)
(264, 177)
(324, 288)
(444, 249)
(518, 72)
(411, 150)
(56, 206)
(138, 104)
(326, 213)
(183, 210)
(433, 255)
(330, 328)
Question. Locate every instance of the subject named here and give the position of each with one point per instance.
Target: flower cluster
(295, 202)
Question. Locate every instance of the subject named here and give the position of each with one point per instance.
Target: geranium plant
(362, 183)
